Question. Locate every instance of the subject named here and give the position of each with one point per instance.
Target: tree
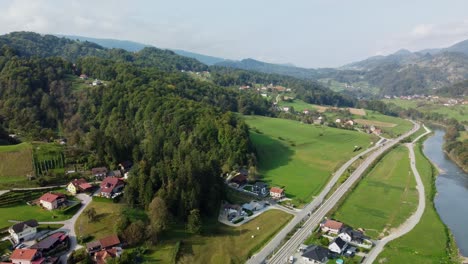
(134, 234)
(90, 213)
(122, 223)
(194, 222)
(159, 217)
(252, 174)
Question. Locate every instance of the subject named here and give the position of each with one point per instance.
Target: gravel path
(414, 219)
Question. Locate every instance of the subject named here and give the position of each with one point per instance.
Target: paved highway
(319, 208)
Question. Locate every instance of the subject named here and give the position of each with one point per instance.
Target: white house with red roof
(331, 226)
(26, 256)
(276, 192)
(111, 186)
(51, 201)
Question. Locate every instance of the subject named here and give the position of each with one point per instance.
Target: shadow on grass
(272, 153)
(385, 186)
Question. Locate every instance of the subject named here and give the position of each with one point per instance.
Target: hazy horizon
(307, 34)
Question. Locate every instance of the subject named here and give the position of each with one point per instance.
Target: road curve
(323, 207)
(414, 219)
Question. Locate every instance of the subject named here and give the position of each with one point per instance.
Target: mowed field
(301, 157)
(427, 242)
(391, 126)
(384, 198)
(300, 105)
(15, 164)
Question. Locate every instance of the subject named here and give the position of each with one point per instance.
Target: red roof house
(78, 185)
(26, 256)
(111, 186)
(276, 192)
(332, 226)
(52, 201)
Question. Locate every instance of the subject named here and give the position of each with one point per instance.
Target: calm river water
(451, 200)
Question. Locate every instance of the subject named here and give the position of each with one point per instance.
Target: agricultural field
(15, 165)
(225, 244)
(384, 198)
(301, 157)
(13, 207)
(459, 112)
(427, 242)
(48, 157)
(391, 126)
(300, 105)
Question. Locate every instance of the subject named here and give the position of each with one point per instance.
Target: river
(451, 200)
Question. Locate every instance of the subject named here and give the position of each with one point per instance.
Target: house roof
(260, 184)
(110, 183)
(49, 241)
(51, 197)
(276, 190)
(109, 241)
(19, 227)
(103, 255)
(126, 164)
(354, 234)
(93, 245)
(24, 254)
(340, 242)
(332, 224)
(81, 184)
(99, 170)
(239, 178)
(316, 253)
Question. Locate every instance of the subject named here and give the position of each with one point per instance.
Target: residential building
(99, 173)
(252, 206)
(96, 82)
(239, 179)
(26, 256)
(23, 231)
(103, 243)
(51, 201)
(83, 76)
(101, 257)
(350, 235)
(260, 188)
(331, 226)
(125, 165)
(78, 185)
(276, 192)
(315, 254)
(338, 245)
(111, 186)
(51, 242)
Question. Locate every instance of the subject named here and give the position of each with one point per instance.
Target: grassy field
(15, 164)
(107, 212)
(224, 244)
(300, 105)
(427, 242)
(384, 198)
(301, 157)
(459, 112)
(26, 212)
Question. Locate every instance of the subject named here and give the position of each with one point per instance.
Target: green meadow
(384, 198)
(430, 241)
(301, 157)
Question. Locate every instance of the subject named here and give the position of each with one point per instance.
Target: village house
(338, 246)
(306, 112)
(285, 109)
(96, 82)
(260, 188)
(78, 185)
(276, 193)
(83, 76)
(239, 179)
(331, 226)
(338, 120)
(315, 255)
(51, 201)
(26, 256)
(115, 173)
(111, 186)
(350, 235)
(125, 165)
(51, 242)
(23, 231)
(101, 257)
(253, 206)
(103, 243)
(99, 173)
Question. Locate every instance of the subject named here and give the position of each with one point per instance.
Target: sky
(306, 33)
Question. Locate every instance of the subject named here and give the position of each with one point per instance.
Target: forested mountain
(135, 46)
(457, 90)
(28, 44)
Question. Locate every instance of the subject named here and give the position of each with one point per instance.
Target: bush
(238, 220)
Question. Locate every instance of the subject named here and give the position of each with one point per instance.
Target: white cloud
(422, 30)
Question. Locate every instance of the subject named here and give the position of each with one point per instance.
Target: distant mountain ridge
(136, 46)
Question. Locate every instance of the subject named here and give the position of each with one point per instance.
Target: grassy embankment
(218, 243)
(430, 241)
(301, 157)
(384, 198)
